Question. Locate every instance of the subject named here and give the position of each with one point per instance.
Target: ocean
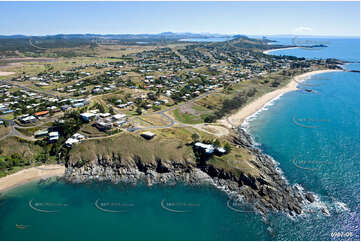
(313, 136)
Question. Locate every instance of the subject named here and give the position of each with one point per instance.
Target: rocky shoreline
(269, 192)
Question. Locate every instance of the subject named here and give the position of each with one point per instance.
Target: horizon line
(200, 33)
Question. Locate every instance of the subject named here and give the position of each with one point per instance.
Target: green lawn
(187, 118)
(9, 116)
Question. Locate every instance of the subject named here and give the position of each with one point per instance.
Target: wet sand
(289, 48)
(30, 174)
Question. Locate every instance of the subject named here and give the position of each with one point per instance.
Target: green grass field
(187, 118)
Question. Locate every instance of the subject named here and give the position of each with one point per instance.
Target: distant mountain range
(166, 35)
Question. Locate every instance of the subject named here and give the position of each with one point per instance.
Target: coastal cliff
(260, 183)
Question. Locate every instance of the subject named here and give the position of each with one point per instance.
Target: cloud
(302, 30)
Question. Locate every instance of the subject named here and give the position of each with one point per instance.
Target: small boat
(20, 226)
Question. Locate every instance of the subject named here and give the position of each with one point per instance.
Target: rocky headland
(264, 186)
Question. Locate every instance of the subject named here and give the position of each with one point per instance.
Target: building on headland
(210, 149)
(147, 135)
(220, 151)
(207, 148)
(75, 139)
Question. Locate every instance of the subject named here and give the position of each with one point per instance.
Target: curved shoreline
(271, 50)
(236, 119)
(30, 174)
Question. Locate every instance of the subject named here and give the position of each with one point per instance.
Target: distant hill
(170, 35)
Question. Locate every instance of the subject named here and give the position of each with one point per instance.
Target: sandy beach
(30, 174)
(289, 48)
(236, 119)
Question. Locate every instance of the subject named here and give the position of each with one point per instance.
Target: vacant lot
(4, 131)
(15, 145)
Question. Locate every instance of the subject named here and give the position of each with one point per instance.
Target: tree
(138, 111)
(216, 143)
(228, 148)
(111, 111)
(100, 108)
(209, 119)
(195, 137)
(156, 108)
(151, 96)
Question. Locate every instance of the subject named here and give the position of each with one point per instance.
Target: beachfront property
(210, 149)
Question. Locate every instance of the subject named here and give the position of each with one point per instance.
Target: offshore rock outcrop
(268, 191)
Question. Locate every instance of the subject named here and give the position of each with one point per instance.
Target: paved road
(28, 88)
(14, 132)
(163, 113)
(37, 47)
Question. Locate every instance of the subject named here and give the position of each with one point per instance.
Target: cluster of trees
(9, 162)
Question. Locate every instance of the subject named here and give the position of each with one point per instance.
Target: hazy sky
(252, 18)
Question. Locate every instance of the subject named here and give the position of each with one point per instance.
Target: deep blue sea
(314, 137)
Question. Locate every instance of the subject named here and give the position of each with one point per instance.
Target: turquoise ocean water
(314, 137)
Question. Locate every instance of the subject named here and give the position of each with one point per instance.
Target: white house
(69, 142)
(147, 135)
(118, 116)
(209, 149)
(53, 136)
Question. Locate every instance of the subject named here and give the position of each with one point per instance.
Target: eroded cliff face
(267, 190)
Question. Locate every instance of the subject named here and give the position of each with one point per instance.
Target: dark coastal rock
(242, 138)
(268, 190)
(297, 209)
(288, 189)
(325, 211)
(310, 197)
(262, 209)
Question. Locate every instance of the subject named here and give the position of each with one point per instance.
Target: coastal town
(151, 112)
(147, 90)
(179, 121)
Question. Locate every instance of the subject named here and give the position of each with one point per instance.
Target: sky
(249, 18)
